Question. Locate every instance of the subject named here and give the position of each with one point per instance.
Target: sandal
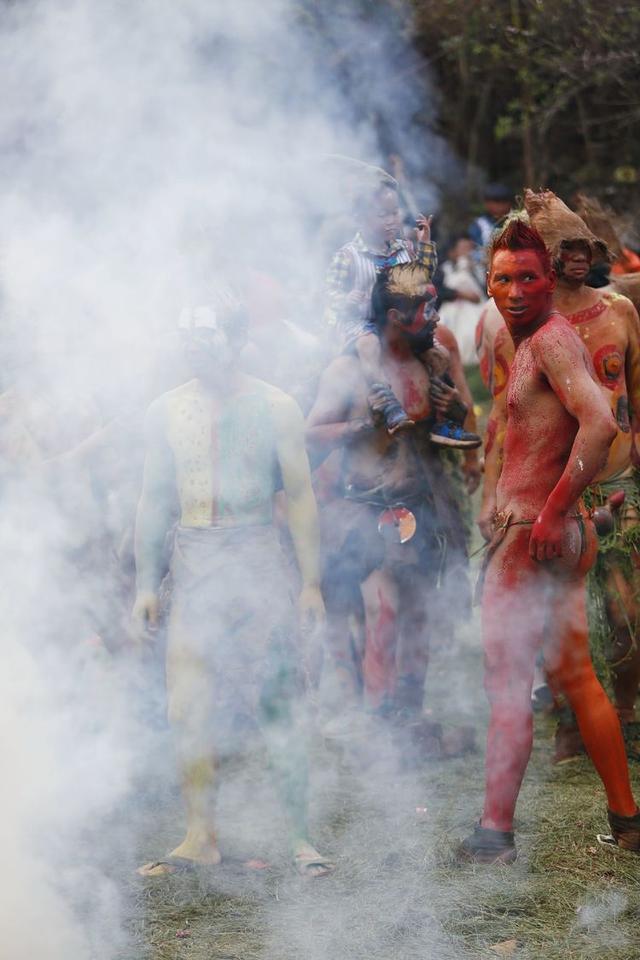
(625, 832)
(306, 863)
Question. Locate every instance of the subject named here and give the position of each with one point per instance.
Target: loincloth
(353, 546)
(502, 524)
(232, 609)
(577, 563)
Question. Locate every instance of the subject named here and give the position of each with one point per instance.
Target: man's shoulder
(557, 325)
(170, 397)
(619, 305)
(556, 332)
(346, 365)
(274, 396)
(446, 337)
(282, 407)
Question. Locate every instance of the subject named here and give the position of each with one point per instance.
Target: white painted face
(206, 340)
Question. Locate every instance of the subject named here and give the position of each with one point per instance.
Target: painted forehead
(200, 318)
(515, 260)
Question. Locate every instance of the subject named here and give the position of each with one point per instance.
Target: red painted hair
(518, 235)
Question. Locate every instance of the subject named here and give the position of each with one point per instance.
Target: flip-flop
(304, 863)
(177, 865)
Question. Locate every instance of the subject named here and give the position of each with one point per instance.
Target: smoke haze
(151, 152)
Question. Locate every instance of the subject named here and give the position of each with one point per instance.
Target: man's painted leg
(569, 663)
(381, 624)
(190, 692)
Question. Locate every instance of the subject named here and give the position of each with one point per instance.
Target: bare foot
(187, 856)
(309, 863)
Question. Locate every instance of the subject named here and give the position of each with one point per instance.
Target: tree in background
(538, 91)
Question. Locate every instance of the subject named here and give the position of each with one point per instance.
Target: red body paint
(525, 607)
(378, 667)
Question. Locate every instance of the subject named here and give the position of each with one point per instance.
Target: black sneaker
(449, 434)
(487, 846)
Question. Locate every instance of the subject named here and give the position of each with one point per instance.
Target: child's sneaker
(393, 413)
(449, 434)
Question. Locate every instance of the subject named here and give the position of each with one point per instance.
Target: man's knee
(189, 691)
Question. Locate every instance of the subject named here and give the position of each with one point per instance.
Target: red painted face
(424, 316)
(520, 287)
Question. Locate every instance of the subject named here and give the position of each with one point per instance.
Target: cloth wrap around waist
(232, 608)
(353, 546)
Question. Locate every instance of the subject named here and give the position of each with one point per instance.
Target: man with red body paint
(385, 479)
(608, 325)
(558, 432)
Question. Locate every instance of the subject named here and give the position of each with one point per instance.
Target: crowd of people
(304, 516)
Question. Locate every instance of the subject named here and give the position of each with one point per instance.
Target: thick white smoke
(149, 150)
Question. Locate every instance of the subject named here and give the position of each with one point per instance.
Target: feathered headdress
(411, 281)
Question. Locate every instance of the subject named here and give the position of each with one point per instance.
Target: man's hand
(423, 228)
(359, 426)
(145, 613)
(547, 534)
(310, 609)
(447, 401)
(487, 519)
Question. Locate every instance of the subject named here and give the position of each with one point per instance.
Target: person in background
(378, 245)
(462, 295)
(498, 201)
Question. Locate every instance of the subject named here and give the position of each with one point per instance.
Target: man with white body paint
(223, 443)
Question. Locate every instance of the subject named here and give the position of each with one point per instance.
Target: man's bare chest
(605, 336)
(410, 383)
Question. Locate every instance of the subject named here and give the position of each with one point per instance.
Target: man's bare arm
(502, 354)
(563, 360)
(328, 423)
(302, 511)
(493, 455)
